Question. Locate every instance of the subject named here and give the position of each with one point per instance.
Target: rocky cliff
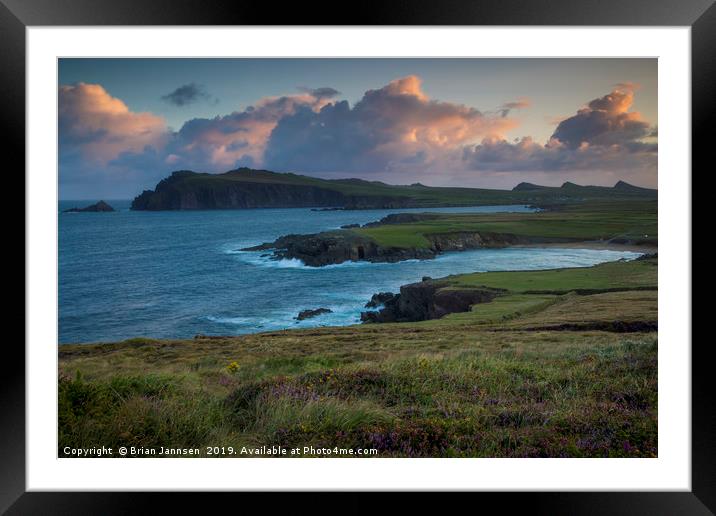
(176, 193)
(249, 188)
(429, 299)
(333, 247)
(245, 188)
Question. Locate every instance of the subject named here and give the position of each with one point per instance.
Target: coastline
(596, 245)
(400, 237)
(424, 388)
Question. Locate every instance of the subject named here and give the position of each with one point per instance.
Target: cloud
(320, 93)
(95, 130)
(496, 155)
(102, 141)
(603, 135)
(520, 103)
(236, 139)
(395, 133)
(605, 121)
(187, 94)
(388, 129)
(627, 86)
(98, 126)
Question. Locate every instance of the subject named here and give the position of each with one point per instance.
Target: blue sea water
(175, 274)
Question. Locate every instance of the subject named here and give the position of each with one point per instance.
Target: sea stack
(100, 206)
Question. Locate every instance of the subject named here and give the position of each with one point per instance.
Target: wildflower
(233, 367)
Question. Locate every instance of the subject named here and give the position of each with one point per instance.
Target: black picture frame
(17, 15)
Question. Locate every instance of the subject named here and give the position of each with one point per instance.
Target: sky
(124, 124)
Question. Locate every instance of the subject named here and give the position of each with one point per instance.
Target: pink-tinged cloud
(520, 103)
(605, 121)
(100, 127)
(396, 131)
(239, 138)
(392, 127)
(602, 136)
(627, 86)
(526, 155)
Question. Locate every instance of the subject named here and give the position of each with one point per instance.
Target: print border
(17, 15)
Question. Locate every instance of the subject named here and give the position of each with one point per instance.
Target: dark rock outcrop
(429, 300)
(332, 247)
(379, 299)
(460, 241)
(307, 314)
(101, 206)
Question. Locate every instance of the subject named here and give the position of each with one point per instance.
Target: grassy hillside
(619, 275)
(429, 195)
(634, 220)
(217, 190)
(498, 381)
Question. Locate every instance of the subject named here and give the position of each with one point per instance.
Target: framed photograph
(419, 252)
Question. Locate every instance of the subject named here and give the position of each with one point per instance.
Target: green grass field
(484, 383)
(588, 221)
(623, 275)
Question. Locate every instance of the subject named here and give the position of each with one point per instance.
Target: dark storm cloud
(187, 94)
(320, 93)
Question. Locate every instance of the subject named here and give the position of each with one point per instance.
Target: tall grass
(576, 401)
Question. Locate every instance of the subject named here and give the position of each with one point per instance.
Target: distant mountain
(248, 188)
(620, 188)
(626, 187)
(528, 186)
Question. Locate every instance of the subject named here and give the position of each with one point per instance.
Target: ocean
(175, 274)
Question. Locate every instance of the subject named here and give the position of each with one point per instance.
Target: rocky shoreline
(334, 247)
(345, 244)
(428, 299)
(309, 313)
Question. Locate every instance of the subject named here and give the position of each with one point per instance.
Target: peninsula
(248, 188)
(409, 236)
